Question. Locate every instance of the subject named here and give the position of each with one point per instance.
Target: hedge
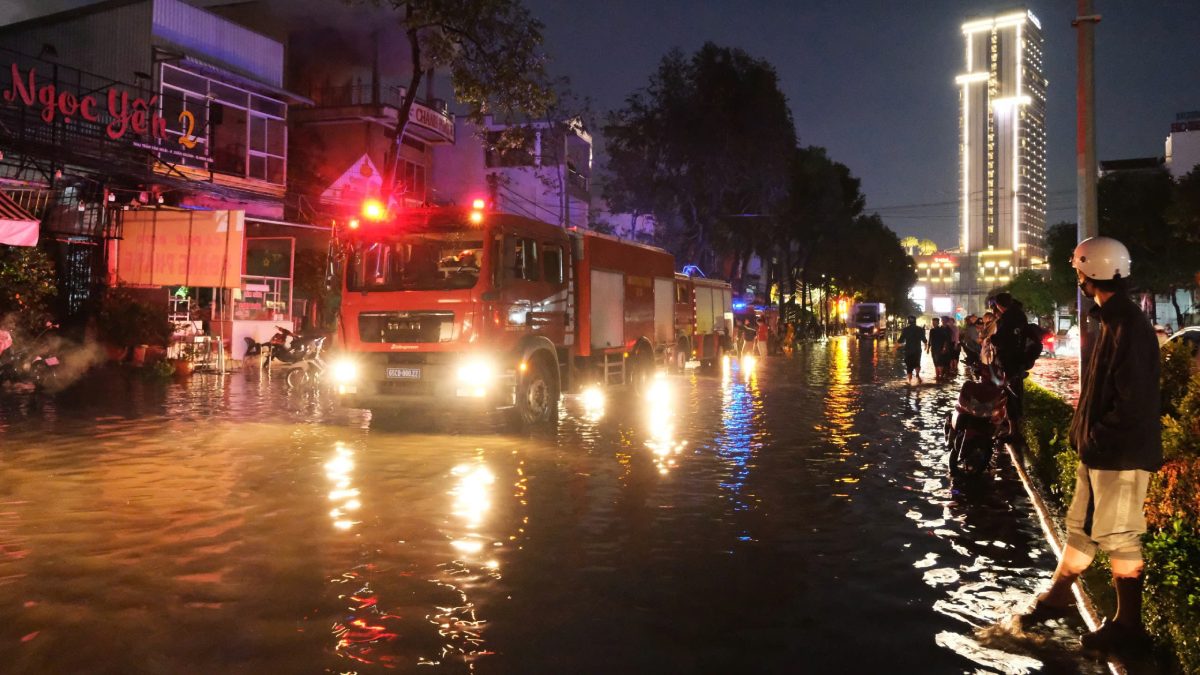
(1171, 604)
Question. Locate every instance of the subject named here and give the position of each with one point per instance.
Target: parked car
(1190, 335)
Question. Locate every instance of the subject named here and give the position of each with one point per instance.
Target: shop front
(221, 287)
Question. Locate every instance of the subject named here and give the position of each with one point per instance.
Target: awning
(17, 227)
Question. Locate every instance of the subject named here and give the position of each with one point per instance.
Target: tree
(27, 287)
(1034, 292)
(867, 260)
(824, 198)
(1134, 209)
(928, 247)
(1060, 244)
(705, 148)
(492, 50)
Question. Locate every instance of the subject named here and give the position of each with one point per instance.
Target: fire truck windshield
(429, 261)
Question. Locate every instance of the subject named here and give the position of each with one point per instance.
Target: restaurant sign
(124, 114)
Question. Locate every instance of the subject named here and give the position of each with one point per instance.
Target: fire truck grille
(406, 326)
(397, 388)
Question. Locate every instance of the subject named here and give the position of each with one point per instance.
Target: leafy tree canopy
(1060, 244)
(1034, 292)
(706, 148)
(490, 48)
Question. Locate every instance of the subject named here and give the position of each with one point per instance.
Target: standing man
(1009, 341)
(913, 339)
(939, 348)
(971, 342)
(1117, 432)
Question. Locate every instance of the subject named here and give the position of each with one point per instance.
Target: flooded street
(791, 517)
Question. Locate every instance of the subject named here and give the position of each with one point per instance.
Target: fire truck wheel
(537, 395)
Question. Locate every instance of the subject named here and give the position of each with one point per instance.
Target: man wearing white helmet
(1117, 433)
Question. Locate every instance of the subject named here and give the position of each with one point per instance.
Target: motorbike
(979, 422)
(1049, 343)
(298, 356)
(29, 362)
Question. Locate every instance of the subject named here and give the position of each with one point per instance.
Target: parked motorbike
(979, 422)
(297, 356)
(29, 361)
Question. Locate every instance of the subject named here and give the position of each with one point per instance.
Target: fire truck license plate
(404, 373)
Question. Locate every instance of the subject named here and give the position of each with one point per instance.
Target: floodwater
(790, 517)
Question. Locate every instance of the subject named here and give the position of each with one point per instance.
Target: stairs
(614, 369)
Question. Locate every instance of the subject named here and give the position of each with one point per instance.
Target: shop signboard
(112, 109)
(181, 248)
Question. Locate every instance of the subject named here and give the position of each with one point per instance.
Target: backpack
(1031, 344)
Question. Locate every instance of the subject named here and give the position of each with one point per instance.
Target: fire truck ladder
(614, 368)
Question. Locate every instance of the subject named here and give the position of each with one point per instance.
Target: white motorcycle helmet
(1101, 259)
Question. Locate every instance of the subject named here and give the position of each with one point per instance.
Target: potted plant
(123, 322)
(184, 362)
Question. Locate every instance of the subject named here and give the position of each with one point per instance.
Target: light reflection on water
(730, 513)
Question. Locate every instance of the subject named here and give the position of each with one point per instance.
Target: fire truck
(703, 320)
(454, 305)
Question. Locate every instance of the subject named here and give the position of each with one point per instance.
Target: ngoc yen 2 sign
(125, 114)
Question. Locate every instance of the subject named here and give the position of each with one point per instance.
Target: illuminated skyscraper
(1002, 138)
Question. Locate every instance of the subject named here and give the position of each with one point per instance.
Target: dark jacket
(913, 338)
(1009, 340)
(1116, 425)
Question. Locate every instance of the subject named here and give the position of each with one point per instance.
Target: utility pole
(1085, 152)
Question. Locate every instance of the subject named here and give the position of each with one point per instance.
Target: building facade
(540, 170)
(1002, 97)
(1183, 144)
(119, 109)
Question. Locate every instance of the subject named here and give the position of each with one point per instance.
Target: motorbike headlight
(476, 372)
(344, 371)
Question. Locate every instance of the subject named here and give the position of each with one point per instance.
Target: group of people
(752, 337)
(948, 343)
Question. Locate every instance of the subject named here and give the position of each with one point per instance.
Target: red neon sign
(137, 114)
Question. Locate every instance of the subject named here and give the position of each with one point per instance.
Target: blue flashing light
(693, 271)
(739, 305)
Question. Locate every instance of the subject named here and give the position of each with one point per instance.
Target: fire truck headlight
(344, 371)
(476, 372)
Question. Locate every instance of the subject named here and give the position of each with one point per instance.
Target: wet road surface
(792, 517)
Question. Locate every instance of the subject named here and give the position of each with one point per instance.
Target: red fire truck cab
(452, 305)
(703, 320)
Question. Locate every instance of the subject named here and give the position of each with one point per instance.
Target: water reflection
(743, 431)
(342, 494)
(660, 412)
(472, 501)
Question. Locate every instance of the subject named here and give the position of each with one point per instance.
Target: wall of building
(177, 23)
(112, 43)
(461, 174)
(1183, 152)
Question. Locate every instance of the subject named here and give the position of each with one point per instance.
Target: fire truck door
(534, 293)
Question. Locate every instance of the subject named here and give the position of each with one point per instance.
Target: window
(418, 262)
(552, 264)
(520, 259)
(228, 139)
(235, 131)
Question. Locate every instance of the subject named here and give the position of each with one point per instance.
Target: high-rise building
(1002, 95)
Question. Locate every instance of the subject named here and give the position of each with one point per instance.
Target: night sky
(873, 80)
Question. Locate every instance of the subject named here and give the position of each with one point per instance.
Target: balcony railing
(364, 94)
